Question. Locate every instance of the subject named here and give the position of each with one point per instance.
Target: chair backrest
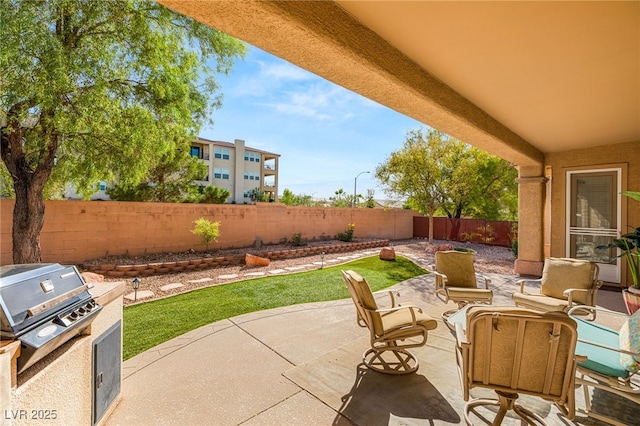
(522, 351)
(457, 266)
(363, 299)
(560, 274)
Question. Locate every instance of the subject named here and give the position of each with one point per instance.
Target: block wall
(77, 231)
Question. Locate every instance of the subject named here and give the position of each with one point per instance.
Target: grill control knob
(82, 311)
(73, 316)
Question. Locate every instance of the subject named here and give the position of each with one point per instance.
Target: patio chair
(456, 280)
(516, 351)
(612, 359)
(565, 283)
(392, 330)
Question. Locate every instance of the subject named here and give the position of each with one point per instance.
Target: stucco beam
(323, 38)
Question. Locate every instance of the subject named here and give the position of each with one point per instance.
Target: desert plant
(206, 230)
(348, 234)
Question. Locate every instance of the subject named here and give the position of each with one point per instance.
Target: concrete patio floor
(300, 365)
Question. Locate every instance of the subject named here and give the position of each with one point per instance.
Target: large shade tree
(438, 173)
(98, 90)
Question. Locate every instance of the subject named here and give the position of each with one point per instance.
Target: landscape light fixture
(135, 283)
(355, 185)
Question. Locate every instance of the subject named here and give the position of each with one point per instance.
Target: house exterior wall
(76, 231)
(625, 156)
(236, 166)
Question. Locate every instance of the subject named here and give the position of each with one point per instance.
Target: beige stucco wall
(76, 231)
(59, 386)
(625, 156)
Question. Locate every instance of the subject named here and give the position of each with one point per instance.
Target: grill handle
(35, 310)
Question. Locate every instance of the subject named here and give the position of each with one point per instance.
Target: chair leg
(506, 402)
(390, 361)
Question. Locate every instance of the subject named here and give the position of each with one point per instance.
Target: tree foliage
(257, 194)
(434, 171)
(341, 199)
(170, 181)
(291, 199)
(98, 90)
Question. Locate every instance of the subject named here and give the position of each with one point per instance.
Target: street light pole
(355, 185)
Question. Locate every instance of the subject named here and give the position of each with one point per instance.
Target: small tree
(341, 199)
(207, 231)
(214, 195)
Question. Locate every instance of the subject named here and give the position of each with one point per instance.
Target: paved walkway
(298, 365)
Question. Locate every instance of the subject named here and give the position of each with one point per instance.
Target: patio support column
(531, 199)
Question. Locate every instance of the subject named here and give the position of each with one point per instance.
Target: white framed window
(222, 153)
(217, 173)
(225, 174)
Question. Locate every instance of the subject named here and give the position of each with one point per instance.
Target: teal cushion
(601, 360)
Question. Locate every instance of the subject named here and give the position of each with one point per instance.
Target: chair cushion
(560, 274)
(540, 302)
(466, 294)
(600, 360)
(630, 341)
(457, 266)
(366, 298)
(402, 318)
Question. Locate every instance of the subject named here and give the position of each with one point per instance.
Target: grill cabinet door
(107, 360)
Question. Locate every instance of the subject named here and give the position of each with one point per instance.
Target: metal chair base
(390, 361)
(506, 402)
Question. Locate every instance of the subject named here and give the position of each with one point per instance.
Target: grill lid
(30, 293)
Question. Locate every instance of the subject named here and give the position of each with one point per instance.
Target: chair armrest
(486, 279)
(595, 309)
(391, 295)
(523, 283)
(441, 280)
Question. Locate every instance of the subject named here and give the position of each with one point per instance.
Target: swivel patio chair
(456, 280)
(565, 283)
(613, 360)
(392, 330)
(516, 351)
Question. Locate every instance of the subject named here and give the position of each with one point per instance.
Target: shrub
(207, 231)
(297, 240)
(348, 234)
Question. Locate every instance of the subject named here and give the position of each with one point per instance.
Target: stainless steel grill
(43, 306)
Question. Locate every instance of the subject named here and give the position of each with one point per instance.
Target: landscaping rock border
(148, 269)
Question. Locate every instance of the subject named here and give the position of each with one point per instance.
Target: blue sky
(325, 134)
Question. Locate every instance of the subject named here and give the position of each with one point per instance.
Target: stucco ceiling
(519, 79)
(562, 75)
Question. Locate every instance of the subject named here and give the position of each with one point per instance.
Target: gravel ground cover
(489, 259)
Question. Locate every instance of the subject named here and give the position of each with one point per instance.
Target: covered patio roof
(517, 79)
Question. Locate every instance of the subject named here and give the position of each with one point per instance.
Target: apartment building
(238, 168)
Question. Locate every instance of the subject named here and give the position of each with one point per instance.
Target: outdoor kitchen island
(78, 382)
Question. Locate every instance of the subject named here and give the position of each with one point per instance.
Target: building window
(195, 151)
(222, 153)
(217, 173)
(246, 176)
(102, 186)
(225, 174)
(252, 157)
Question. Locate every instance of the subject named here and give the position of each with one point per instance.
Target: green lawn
(149, 324)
